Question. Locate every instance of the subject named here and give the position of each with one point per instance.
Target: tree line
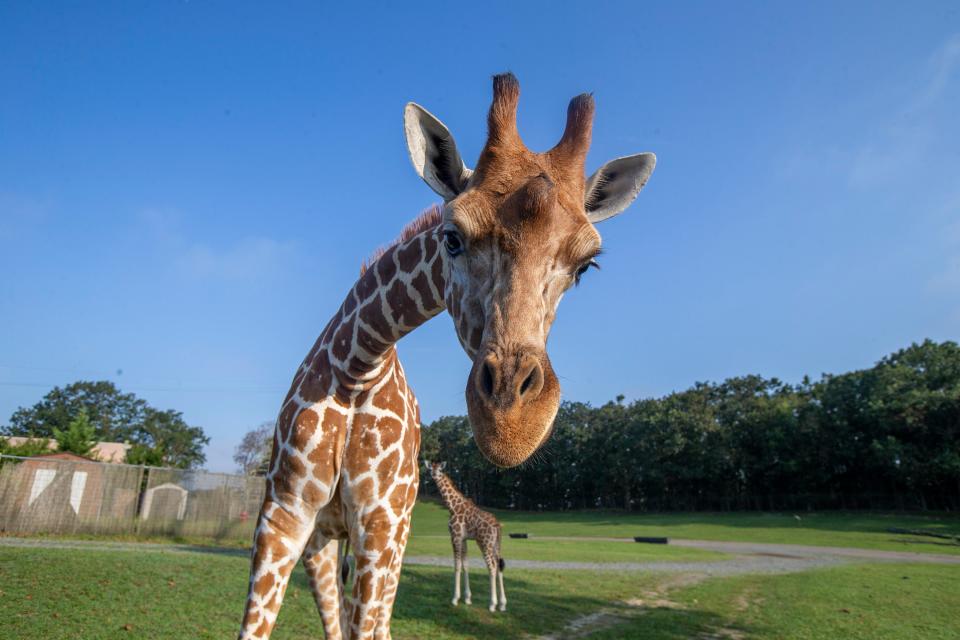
(883, 437)
(83, 413)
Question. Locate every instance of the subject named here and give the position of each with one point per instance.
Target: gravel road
(748, 557)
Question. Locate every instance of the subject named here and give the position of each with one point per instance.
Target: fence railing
(49, 495)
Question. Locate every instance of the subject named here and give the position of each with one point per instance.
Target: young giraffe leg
(468, 597)
(458, 546)
(490, 558)
(280, 538)
(322, 562)
(503, 594)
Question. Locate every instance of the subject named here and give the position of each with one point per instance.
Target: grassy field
(59, 593)
(860, 602)
(837, 529)
(53, 594)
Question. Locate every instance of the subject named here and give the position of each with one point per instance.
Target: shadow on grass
(539, 603)
(672, 624)
(935, 543)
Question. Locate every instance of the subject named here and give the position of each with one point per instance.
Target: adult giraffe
(511, 237)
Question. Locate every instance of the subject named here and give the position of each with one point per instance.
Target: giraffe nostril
(532, 382)
(527, 383)
(486, 380)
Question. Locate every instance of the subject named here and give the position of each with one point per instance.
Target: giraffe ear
(433, 152)
(443, 465)
(616, 184)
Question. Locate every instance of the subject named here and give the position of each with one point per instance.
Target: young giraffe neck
(448, 493)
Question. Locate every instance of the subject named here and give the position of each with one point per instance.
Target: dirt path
(749, 557)
(740, 564)
(655, 597)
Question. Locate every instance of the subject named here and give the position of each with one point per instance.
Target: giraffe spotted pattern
(344, 463)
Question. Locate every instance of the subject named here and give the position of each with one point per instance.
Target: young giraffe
(470, 522)
(511, 237)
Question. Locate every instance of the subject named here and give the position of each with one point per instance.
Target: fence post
(143, 478)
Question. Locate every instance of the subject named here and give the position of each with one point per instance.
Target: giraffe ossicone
(512, 236)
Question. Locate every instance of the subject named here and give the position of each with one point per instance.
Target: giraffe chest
(349, 452)
(380, 469)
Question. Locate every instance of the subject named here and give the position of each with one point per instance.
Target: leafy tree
(32, 447)
(145, 455)
(112, 413)
(177, 443)
(887, 436)
(252, 455)
(160, 437)
(78, 437)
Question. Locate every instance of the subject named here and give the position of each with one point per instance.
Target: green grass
(865, 530)
(858, 602)
(52, 594)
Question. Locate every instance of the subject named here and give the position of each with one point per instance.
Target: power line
(171, 389)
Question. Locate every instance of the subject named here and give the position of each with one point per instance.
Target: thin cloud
(943, 64)
(911, 131)
(250, 258)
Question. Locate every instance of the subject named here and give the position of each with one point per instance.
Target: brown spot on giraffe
(304, 428)
(387, 470)
(315, 385)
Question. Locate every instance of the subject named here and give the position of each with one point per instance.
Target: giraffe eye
(452, 242)
(583, 269)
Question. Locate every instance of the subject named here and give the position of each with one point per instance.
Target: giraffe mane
(429, 218)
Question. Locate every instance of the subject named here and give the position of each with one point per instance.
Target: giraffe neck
(399, 291)
(448, 493)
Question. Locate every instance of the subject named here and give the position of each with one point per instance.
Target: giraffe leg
(468, 599)
(321, 559)
(280, 538)
(503, 593)
(393, 582)
(490, 557)
(382, 630)
(458, 545)
(500, 567)
(374, 558)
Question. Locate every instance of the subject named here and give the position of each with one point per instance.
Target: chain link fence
(58, 496)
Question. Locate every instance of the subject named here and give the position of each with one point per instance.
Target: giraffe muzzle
(512, 398)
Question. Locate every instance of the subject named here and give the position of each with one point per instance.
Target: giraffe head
(518, 232)
(433, 468)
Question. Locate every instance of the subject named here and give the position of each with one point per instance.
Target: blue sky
(187, 189)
